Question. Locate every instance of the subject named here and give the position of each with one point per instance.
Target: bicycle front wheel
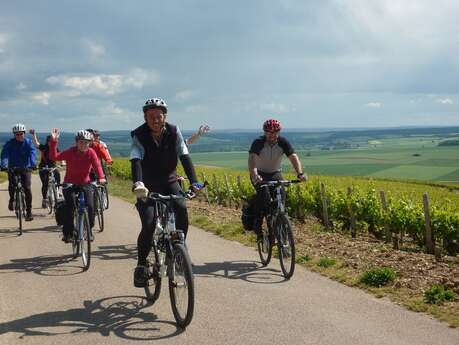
(105, 201)
(51, 199)
(99, 208)
(265, 243)
(19, 207)
(181, 285)
(285, 245)
(85, 243)
(153, 288)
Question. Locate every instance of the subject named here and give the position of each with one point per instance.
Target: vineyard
(423, 215)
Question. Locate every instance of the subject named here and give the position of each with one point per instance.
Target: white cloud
(374, 105)
(195, 109)
(94, 49)
(183, 95)
(104, 84)
(275, 107)
(445, 100)
(3, 40)
(21, 86)
(42, 97)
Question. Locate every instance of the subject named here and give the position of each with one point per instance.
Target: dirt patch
(416, 272)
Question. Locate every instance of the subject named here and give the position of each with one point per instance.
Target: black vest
(159, 163)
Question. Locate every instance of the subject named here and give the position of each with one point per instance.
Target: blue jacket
(16, 154)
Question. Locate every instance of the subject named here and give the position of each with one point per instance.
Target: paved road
(45, 298)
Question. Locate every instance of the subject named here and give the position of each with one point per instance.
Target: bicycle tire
(153, 288)
(105, 198)
(285, 245)
(76, 241)
(18, 208)
(50, 205)
(180, 266)
(99, 209)
(85, 243)
(265, 246)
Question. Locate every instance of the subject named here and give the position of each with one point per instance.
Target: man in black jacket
(156, 148)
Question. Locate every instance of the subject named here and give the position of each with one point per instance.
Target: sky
(230, 64)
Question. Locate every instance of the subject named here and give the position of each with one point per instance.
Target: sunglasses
(19, 133)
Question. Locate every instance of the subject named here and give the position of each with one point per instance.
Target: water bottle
(158, 230)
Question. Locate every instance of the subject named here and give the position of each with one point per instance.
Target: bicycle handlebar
(277, 183)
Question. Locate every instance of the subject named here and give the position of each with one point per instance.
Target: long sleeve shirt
(18, 154)
(102, 152)
(79, 164)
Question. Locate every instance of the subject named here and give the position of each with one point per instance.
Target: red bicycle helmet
(272, 125)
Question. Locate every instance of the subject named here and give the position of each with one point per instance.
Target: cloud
(21, 86)
(183, 95)
(374, 105)
(3, 41)
(95, 50)
(103, 84)
(42, 97)
(445, 100)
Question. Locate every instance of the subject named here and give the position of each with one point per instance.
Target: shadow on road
(123, 316)
(250, 271)
(118, 252)
(10, 231)
(60, 265)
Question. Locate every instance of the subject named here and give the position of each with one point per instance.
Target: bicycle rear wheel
(265, 245)
(153, 288)
(285, 245)
(85, 243)
(181, 285)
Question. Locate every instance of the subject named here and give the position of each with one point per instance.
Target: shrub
(378, 277)
(437, 294)
(303, 259)
(326, 262)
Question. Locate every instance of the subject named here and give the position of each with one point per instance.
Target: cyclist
(101, 152)
(19, 152)
(45, 162)
(265, 159)
(80, 160)
(156, 148)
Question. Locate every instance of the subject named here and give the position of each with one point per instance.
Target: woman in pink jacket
(81, 159)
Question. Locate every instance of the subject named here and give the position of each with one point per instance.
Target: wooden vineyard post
(387, 232)
(430, 246)
(206, 193)
(324, 205)
(351, 213)
(239, 186)
(228, 190)
(216, 186)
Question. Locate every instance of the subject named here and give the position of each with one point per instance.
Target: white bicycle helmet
(153, 103)
(19, 127)
(83, 135)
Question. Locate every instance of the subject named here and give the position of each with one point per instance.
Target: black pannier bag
(60, 212)
(248, 215)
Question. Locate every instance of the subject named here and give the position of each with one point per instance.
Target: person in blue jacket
(19, 152)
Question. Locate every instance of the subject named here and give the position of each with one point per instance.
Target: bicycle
(52, 193)
(169, 257)
(277, 229)
(19, 196)
(99, 205)
(81, 242)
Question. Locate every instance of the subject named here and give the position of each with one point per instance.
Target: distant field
(406, 158)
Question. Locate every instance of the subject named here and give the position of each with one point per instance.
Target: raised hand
(55, 133)
(203, 129)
